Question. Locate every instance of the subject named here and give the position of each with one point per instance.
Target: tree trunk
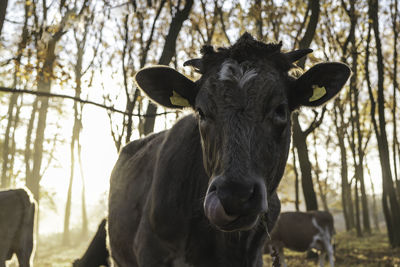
(357, 205)
(364, 201)
(296, 181)
(166, 56)
(317, 171)
(84, 231)
(76, 131)
(360, 138)
(358, 142)
(374, 207)
(67, 214)
(44, 85)
(6, 171)
(347, 202)
(28, 140)
(390, 202)
(3, 9)
(299, 141)
(259, 20)
(395, 88)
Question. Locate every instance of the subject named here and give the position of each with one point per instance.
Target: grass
(369, 251)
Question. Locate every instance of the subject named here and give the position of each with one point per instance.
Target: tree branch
(22, 91)
(316, 123)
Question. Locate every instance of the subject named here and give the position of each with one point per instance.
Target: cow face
(243, 103)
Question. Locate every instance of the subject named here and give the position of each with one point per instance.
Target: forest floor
(369, 251)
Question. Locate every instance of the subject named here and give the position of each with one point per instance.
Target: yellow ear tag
(317, 93)
(178, 100)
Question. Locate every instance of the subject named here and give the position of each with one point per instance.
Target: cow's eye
(200, 113)
(280, 113)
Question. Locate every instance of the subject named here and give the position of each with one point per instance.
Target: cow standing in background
(204, 192)
(17, 220)
(96, 254)
(302, 231)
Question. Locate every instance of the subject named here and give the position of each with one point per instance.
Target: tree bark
(259, 20)
(357, 205)
(347, 201)
(85, 226)
(296, 181)
(299, 141)
(3, 9)
(6, 170)
(374, 207)
(395, 88)
(317, 171)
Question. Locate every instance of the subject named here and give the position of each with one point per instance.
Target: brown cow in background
(302, 231)
(17, 219)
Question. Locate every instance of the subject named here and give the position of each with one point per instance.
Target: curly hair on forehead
(247, 49)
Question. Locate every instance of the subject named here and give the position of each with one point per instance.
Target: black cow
(204, 192)
(302, 231)
(17, 220)
(96, 254)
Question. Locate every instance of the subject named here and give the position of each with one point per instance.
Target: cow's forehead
(247, 85)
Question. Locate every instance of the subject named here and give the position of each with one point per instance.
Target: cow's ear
(318, 85)
(167, 87)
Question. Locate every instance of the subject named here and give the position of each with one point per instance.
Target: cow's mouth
(217, 215)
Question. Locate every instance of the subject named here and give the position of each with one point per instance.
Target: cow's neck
(180, 184)
(245, 248)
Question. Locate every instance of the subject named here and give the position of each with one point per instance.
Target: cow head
(243, 103)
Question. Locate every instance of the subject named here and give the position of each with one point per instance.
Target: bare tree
(168, 52)
(50, 36)
(3, 9)
(391, 207)
(395, 146)
(322, 187)
(347, 200)
(133, 24)
(13, 112)
(299, 135)
(76, 129)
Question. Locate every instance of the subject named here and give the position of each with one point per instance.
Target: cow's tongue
(215, 212)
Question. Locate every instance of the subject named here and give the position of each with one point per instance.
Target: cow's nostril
(212, 188)
(249, 195)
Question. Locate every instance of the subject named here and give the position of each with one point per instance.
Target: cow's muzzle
(235, 204)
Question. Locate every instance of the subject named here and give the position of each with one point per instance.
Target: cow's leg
(329, 250)
(331, 260)
(328, 247)
(26, 250)
(3, 257)
(25, 253)
(282, 257)
(24, 258)
(321, 257)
